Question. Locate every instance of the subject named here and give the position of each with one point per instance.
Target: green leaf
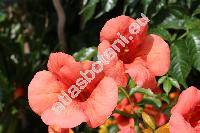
(167, 86)
(3, 81)
(155, 7)
(1, 107)
(162, 32)
(174, 82)
(173, 37)
(85, 54)
(172, 1)
(146, 4)
(121, 96)
(107, 5)
(189, 3)
(131, 83)
(172, 22)
(197, 11)
(167, 110)
(192, 23)
(147, 92)
(165, 98)
(149, 120)
(14, 110)
(113, 129)
(88, 11)
(121, 89)
(161, 80)
(151, 100)
(136, 125)
(2, 16)
(193, 44)
(88, 5)
(180, 62)
(129, 3)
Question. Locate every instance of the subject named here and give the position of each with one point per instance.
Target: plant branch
(125, 114)
(61, 24)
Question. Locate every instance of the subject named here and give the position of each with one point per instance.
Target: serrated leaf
(151, 100)
(193, 44)
(149, 120)
(174, 82)
(167, 86)
(162, 32)
(85, 54)
(192, 23)
(161, 80)
(172, 22)
(180, 62)
(147, 92)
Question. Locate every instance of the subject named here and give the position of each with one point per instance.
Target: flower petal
(43, 91)
(124, 122)
(114, 25)
(188, 99)
(70, 117)
(58, 60)
(117, 72)
(57, 129)
(65, 67)
(115, 68)
(178, 124)
(101, 103)
(127, 130)
(140, 74)
(155, 51)
(185, 114)
(121, 24)
(102, 48)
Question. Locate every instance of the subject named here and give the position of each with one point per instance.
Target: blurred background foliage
(28, 34)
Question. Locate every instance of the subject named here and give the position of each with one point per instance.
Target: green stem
(127, 96)
(136, 126)
(182, 36)
(125, 114)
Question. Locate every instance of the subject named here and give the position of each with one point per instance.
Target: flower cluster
(144, 57)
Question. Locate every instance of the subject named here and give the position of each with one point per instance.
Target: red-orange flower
(185, 116)
(160, 117)
(122, 121)
(92, 102)
(142, 56)
(57, 129)
(19, 92)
